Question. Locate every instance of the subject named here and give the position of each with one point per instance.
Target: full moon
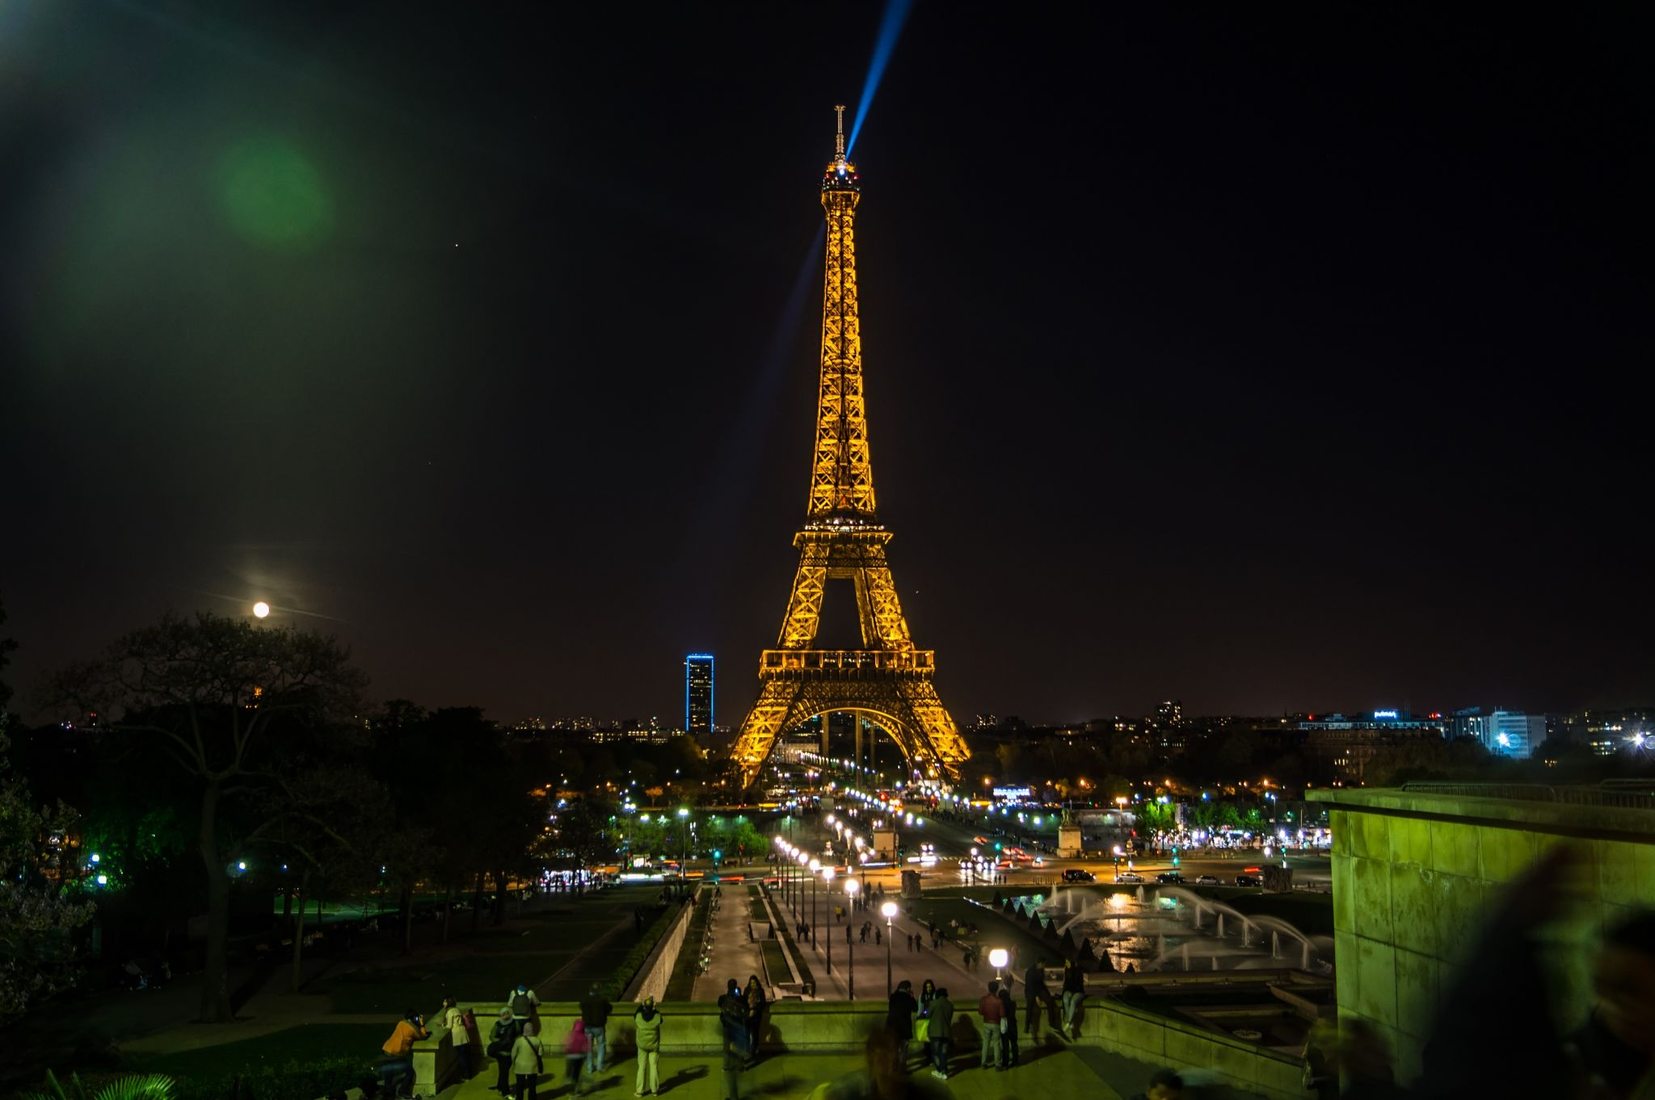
(261, 609)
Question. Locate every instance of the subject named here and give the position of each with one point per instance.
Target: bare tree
(231, 704)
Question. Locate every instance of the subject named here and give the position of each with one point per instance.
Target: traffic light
(996, 845)
(1175, 857)
(717, 855)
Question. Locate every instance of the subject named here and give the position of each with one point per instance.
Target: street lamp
(684, 839)
(997, 959)
(851, 887)
(888, 911)
(799, 858)
(814, 866)
(827, 884)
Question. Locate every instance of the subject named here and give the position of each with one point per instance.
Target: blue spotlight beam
(890, 29)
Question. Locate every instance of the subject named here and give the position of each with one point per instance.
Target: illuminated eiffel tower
(887, 680)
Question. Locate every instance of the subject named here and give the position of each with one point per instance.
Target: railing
(783, 661)
(1634, 794)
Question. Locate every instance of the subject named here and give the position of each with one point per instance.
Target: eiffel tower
(887, 680)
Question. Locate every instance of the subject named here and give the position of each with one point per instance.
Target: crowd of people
(1611, 1058)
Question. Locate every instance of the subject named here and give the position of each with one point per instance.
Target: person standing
(522, 1003)
(1037, 999)
(1074, 992)
(899, 1018)
(594, 1013)
(753, 995)
(646, 1025)
(941, 1030)
(575, 1049)
(527, 1062)
(460, 1034)
(1008, 1026)
(993, 1011)
(735, 1060)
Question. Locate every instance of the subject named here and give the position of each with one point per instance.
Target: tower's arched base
(893, 688)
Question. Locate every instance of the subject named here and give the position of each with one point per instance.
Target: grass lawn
(307, 1042)
(494, 959)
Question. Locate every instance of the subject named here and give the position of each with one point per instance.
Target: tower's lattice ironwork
(887, 679)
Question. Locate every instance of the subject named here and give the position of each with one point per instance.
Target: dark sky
(1268, 359)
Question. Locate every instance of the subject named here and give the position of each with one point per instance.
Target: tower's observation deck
(842, 539)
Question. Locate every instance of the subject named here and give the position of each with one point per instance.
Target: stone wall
(652, 977)
(1153, 1038)
(832, 1026)
(1416, 874)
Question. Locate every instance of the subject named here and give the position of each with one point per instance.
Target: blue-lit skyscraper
(698, 695)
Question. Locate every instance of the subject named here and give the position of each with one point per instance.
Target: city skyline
(1182, 384)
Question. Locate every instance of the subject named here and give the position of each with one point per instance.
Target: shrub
(291, 1081)
(615, 985)
(148, 1086)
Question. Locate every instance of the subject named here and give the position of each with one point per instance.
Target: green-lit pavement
(1055, 1072)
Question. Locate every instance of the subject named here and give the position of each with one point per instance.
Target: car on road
(1174, 877)
(1206, 880)
(1129, 876)
(1249, 880)
(1075, 874)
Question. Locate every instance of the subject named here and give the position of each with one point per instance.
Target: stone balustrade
(832, 1026)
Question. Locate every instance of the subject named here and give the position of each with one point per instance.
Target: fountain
(1308, 950)
(1168, 929)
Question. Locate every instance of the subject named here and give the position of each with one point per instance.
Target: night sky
(1270, 359)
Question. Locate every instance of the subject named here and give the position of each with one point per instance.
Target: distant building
(1468, 722)
(698, 695)
(1170, 713)
(1344, 745)
(1512, 734)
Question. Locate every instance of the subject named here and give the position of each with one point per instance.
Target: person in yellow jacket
(527, 1062)
(400, 1047)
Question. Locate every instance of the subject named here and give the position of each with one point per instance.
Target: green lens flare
(273, 196)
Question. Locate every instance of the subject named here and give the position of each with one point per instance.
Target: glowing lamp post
(997, 959)
(851, 888)
(814, 866)
(888, 911)
(827, 884)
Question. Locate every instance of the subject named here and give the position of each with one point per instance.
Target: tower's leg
(934, 726)
(758, 731)
(804, 607)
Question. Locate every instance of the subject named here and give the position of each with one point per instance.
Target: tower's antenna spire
(839, 139)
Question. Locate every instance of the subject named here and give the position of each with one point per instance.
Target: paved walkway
(733, 955)
(944, 967)
(1050, 1072)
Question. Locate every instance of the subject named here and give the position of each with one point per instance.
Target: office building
(698, 695)
(1513, 734)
